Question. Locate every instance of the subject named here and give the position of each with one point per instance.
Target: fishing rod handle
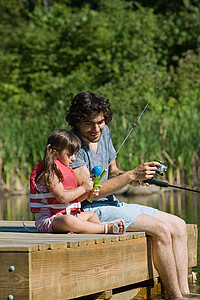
(156, 182)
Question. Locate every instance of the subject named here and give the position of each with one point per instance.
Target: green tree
(120, 49)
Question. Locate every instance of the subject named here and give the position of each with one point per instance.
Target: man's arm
(142, 172)
(114, 170)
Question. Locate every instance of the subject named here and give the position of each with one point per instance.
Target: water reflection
(13, 207)
(183, 204)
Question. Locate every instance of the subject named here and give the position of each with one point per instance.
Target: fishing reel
(161, 169)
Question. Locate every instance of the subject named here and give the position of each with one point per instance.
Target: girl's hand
(88, 184)
(96, 192)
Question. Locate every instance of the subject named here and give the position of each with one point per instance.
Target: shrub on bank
(119, 50)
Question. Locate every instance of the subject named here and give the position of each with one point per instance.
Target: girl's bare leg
(89, 216)
(92, 217)
(66, 223)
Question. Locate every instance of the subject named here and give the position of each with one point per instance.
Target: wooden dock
(38, 266)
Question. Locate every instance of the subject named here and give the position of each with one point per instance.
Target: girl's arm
(63, 196)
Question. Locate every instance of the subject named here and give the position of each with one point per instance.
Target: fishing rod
(160, 169)
(96, 173)
(166, 184)
(134, 124)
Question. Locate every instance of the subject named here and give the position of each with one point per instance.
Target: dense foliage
(120, 49)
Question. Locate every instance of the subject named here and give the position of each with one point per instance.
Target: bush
(120, 50)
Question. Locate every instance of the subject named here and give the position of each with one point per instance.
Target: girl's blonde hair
(59, 140)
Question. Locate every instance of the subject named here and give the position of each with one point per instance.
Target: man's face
(91, 128)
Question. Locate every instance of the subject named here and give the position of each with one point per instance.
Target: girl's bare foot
(115, 227)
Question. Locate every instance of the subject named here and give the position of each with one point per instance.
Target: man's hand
(143, 172)
(96, 192)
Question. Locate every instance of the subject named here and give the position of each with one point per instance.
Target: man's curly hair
(87, 104)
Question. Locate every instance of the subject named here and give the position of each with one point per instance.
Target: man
(89, 115)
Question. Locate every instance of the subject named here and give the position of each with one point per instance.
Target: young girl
(54, 195)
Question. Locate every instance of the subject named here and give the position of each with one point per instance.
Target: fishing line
(152, 181)
(134, 124)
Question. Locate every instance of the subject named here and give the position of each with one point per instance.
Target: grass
(172, 137)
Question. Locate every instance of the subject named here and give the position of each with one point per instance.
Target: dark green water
(183, 204)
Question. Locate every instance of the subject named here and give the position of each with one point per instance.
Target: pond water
(183, 204)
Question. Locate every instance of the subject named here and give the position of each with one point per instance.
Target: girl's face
(65, 158)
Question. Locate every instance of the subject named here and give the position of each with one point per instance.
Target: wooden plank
(16, 226)
(105, 295)
(192, 244)
(17, 282)
(88, 270)
(16, 223)
(128, 295)
(53, 241)
(63, 266)
(14, 248)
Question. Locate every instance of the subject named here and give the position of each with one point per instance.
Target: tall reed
(172, 137)
(23, 141)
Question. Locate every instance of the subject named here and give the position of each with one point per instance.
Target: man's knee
(176, 229)
(162, 234)
(179, 228)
